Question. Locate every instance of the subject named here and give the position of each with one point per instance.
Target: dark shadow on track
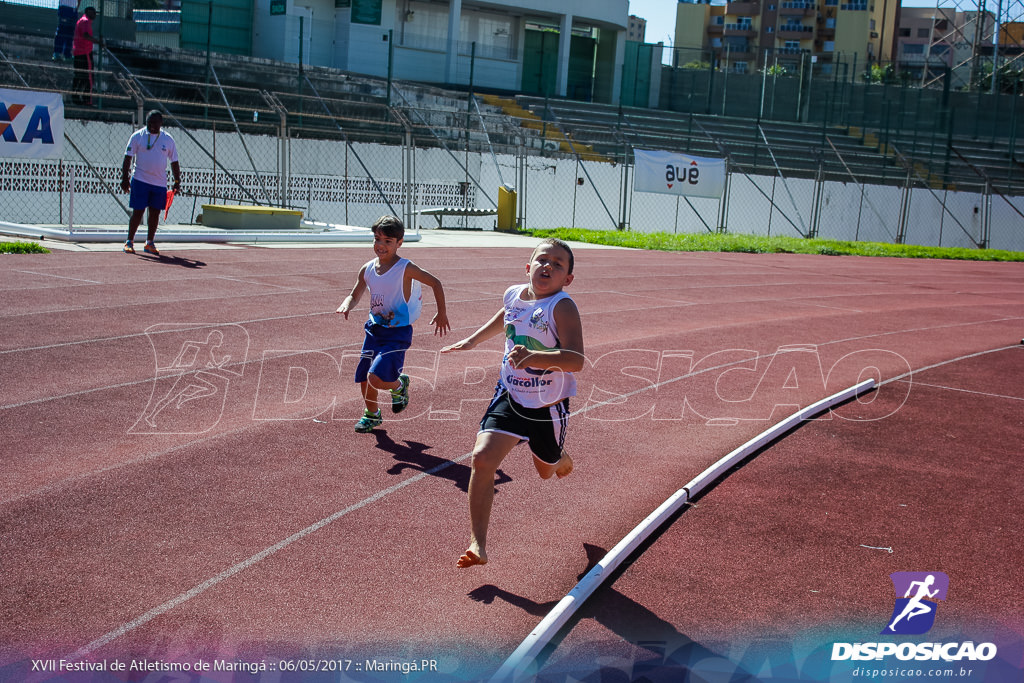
(174, 260)
(672, 653)
(413, 456)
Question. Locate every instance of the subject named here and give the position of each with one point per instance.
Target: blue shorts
(146, 196)
(543, 428)
(383, 352)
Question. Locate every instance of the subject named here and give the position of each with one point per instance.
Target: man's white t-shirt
(152, 154)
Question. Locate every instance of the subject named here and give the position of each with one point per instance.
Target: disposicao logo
(917, 596)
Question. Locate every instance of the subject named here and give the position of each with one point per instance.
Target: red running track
(181, 482)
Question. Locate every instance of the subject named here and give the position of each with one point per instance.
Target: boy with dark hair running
(543, 348)
(396, 299)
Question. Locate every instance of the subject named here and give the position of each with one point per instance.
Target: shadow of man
(413, 456)
(175, 261)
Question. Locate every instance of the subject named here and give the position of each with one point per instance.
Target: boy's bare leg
(371, 386)
(369, 397)
(490, 449)
(379, 384)
(560, 469)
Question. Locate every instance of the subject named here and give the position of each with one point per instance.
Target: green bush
(22, 248)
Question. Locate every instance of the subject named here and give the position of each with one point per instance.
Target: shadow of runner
(673, 655)
(413, 456)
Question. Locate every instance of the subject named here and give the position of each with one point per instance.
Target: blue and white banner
(31, 124)
(678, 174)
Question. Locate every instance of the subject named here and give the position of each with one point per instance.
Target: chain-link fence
(363, 148)
(324, 179)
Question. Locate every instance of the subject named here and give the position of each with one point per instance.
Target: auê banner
(678, 174)
(31, 124)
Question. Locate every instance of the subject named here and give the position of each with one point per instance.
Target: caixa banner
(678, 174)
(31, 124)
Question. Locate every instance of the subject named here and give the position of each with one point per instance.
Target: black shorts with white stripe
(544, 428)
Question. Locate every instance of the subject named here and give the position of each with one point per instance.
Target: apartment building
(744, 35)
(933, 40)
(637, 29)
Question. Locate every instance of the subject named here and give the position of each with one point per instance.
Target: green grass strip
(754, 244)
(22, 248)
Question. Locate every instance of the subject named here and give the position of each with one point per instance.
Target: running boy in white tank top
(396, 299)
(543, 348)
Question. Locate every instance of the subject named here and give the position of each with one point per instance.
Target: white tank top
(532, 324)
(388, 306)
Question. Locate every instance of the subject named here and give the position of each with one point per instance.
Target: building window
(904, 33)
(424, 26)
(913, 49)
(494, 34)
(923, 33)
(366, 12)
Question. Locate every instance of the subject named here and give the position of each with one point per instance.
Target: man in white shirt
(151, 148)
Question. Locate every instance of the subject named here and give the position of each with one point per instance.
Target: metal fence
(332, 181)
(347, 160)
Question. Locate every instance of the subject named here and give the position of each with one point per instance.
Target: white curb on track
(515, 667)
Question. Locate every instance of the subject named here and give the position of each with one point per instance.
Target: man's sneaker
(150, 248)
(368, 421)
(128, 248)
(400, 396)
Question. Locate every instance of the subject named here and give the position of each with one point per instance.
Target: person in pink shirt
(81, 49)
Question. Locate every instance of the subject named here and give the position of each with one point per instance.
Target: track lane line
(245, 564)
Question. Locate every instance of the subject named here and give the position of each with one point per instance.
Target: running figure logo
(914, 612)
(194, 368)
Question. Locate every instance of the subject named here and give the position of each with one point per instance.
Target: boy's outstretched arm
(440, 319)
(569, 356)
(493, 327)
(353, 298)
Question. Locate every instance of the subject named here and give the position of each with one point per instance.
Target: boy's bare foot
(470, 559)
(546, 470)
(564, 466)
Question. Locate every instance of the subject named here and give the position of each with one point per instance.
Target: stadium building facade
(569, 48)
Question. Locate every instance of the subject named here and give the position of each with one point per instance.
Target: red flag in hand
(170, 200)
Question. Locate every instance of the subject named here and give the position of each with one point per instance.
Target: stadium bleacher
(254, 94)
